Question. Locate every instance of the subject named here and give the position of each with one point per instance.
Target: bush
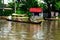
(8, 12)
(57, 6)
(1, 12)
(19, 12)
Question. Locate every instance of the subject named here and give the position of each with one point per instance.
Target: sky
(7, 1)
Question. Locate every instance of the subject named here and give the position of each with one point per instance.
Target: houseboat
(37, 14)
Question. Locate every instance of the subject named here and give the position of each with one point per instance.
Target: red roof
(35, 9)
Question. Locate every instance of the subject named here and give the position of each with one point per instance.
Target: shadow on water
(48, 30)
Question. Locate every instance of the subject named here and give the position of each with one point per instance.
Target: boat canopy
(35, 10)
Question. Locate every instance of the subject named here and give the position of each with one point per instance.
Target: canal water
(47, 30)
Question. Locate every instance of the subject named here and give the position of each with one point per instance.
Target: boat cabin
(36, 11)
(37, 14)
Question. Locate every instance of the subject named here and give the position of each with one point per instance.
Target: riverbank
(18, 20)
(3, 17)
(21, 21)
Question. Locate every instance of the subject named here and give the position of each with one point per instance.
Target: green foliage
(0, 2)
(43, 6)
(22, 8)
(29, 14)
(11, 5)
(57, 5)
(19, 4)
(1, 12)
(19, 12)
(30, 4)
(6, 12)
(51, 1)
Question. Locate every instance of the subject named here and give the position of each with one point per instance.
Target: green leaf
(57, 5)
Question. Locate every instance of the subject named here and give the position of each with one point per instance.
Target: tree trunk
(49, 10)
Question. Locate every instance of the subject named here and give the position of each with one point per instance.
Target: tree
(0, 1)
(51, 6)
(1, 10)
(30, 4)
(57, 6)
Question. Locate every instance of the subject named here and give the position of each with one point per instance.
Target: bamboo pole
(15, 6)
(3, 5)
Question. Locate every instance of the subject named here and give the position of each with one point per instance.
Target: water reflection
(48, 30)
(37, 31)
